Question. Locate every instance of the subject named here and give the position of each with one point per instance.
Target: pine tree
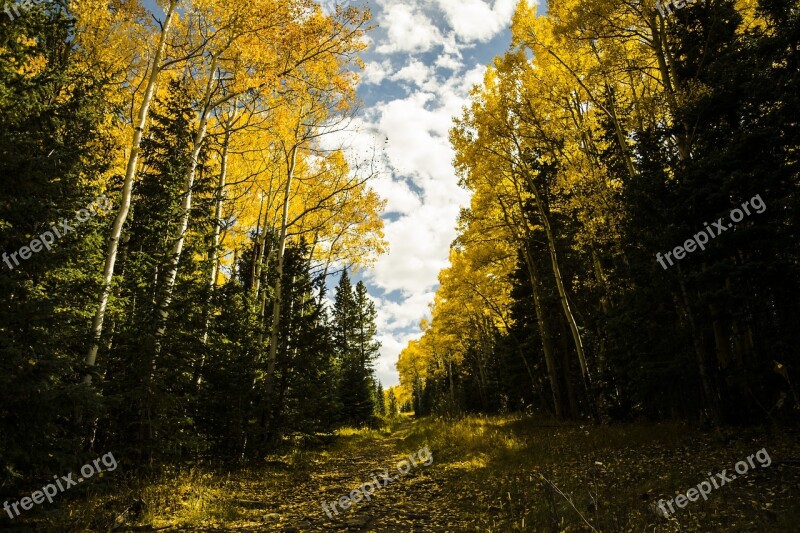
(343, 313)
(306, 381)
(158, 393)
(355, 329)
(392, 404)
(380, 407)
(53, 146)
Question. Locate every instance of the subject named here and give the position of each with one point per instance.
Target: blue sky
(424, 58)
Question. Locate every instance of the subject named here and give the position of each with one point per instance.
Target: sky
(424, 58)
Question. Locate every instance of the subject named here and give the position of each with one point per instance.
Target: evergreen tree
(392, 407)
(225, 410)
(366, 328)
(120, 144)
(354, 334)
(137, 386)
(306, 383)
(54, 145)
(344, 332)
(380, 405)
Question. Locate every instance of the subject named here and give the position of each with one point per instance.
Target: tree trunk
(276, 308)
(258, 253)
(562, 293)
(186, 209)
(127, 189)
(262, 297)
(571, 399)
(513, 337)
(212, 281)
(665, 65)
(605, 305)
(547, 343)
(702, 367)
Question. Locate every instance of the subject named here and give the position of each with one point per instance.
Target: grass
(524, 474)
(195, 497)
(494, 474)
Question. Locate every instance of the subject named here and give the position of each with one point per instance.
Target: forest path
(424, 499)
(495, 474)
(507, 473)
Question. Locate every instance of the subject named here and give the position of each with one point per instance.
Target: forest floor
(492, 474)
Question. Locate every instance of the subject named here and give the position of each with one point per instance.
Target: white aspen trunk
(276, 308)
(212, 280)
(259, 253)
(127, 188)
(562, 293)
(547, 343)
(264, 256)
(186, 209)
(220, 198)
(665, 65)
(605, 305)
(262, 299)
(260, 263)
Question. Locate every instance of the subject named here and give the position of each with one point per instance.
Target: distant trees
(608, 134)
(380, 400)
(392, 408)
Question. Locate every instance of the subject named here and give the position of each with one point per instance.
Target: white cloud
(476, 20)
(400, 198)
(376, 71)
(450, 62)
(417, 126)
(427, 84)
(411, 25)
(419, 250)
(408, 30)
(404, 315)
(415, 72)
(385, 366)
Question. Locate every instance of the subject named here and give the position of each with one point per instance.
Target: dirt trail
(421, 500)
(501, 474)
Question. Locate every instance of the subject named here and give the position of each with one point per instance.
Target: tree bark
(547, 342)
(702, 366)
(665, 65)
(276, 308)
(127, 189)
(565, 360)
(562, 293)
(186, 209)
(212, 281)
(605, 305)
